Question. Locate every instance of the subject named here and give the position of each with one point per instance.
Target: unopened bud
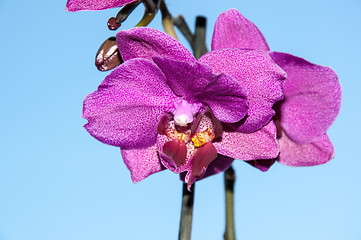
(113, 24)
(108, 56)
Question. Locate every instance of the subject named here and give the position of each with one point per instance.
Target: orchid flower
(79, 5)
(166, 110)
(312, 96)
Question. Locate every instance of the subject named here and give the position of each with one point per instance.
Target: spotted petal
(129, 103)
(196, 83)
(312, 98)
(317, 152)
(202, 158)
(143, 42)
(232, 30)
(78, 5)
(258, 74)
(142, 162)
(261, 144)
(218, 165)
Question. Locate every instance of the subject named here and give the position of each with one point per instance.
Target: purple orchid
(79, 5)
(165, 109)
(312, 96)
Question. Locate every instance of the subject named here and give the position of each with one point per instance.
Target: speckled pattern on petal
(257, 73)
(196, 83)
(261, 144)
(232, 30)
(126, 108)
(142, 162)
(312, 98)
(317, 152)
(143, 42)
(78, 5)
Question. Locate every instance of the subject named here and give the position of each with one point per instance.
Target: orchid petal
(317, 152)
(312, 98)
(262, 164)
(261, 144)
(258, 74)
(176, 150)
(142, 162)
(196, 83)
(202, 158)
(79, 5)
(218, 165)
(129, 103)
(170, 161)
(232, 30)
(143, 42)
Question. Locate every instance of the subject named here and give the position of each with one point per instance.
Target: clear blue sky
(58, 183)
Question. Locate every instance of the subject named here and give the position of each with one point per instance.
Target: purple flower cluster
(312, 96)
(167, 110)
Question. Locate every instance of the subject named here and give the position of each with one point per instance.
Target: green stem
(182, 26)
(185, 226)
(196, 40)
(229, 179)
(124, 13)
(151, 9)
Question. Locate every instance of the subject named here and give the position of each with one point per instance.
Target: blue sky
(57, 182)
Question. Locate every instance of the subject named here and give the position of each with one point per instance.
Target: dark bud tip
(108, 56)
(201, 21)
(229, 174)
(113, 24)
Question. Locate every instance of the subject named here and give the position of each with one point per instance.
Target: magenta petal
(258, 74)
(312, 98)
(196, 83)
(262, 164)
(176, 150)
(261, 144)
(202, 158)
(142, 162)
(298, 155)
(78, 5)
(232, 30)
(226, 97)
(142, 42)
(218, 165)
(129, 103)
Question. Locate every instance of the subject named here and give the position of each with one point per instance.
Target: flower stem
(181, 24)
(124, 13)
(167, 20)
(185, 226)
(229, 179)
(200, 37)
(196, 40)
(151, 9)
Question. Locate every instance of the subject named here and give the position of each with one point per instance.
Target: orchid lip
(188, 148)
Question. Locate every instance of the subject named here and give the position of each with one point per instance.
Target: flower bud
(113, 24)
(108, 56)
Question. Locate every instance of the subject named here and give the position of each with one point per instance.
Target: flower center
(201, 138)
(181, 145)
(183, 113)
